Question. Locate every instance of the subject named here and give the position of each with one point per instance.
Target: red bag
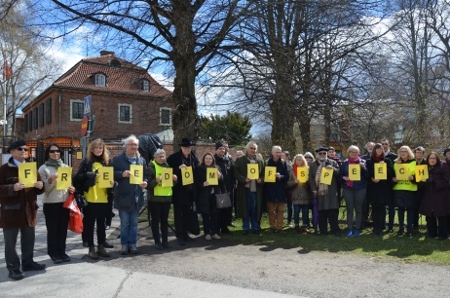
(76, 221)
(75, 216)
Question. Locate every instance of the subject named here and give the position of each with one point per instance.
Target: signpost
(86, 124)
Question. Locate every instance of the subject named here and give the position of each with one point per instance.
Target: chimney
(106, 53)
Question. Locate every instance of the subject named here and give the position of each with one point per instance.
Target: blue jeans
(305, 215)
(251, 213)
(128, 227)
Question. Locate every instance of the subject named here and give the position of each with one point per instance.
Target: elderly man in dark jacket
(183, 195)
(276, 191)
(18, 212)
(129, 198)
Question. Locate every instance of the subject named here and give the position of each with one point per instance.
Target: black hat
(322, 149)
(16, 144)
(218, 145)
(446, 150)
(185, 142)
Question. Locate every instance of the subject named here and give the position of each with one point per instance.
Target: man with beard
(326, 194)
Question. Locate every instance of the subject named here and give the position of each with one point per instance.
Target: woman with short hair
(354, 190)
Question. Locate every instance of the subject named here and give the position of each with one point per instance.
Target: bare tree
(184, 33)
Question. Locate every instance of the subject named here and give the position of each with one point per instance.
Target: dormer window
(144, 85)
(114, 63)
(100, 80)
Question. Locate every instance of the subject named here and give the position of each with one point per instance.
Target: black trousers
(181, 212)
(56, 220)
(379, 217)
(27, 237)
(160, 215)
(435, 229)
(95, 213)
(329, 216)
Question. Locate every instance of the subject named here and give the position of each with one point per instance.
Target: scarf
(54, 163)
(377, 159)
(323, 188)
(356, 160)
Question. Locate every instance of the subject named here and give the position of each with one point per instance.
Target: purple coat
(435, 200)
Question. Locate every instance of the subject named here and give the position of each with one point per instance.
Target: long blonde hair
(410, 154)
(105, 152)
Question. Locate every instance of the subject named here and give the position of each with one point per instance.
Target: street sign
(87, 105)
(84, 125)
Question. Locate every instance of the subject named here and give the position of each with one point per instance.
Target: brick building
(125, 100)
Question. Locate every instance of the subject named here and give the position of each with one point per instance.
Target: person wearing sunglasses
(325, 193)
(56, 216)
(18, 212)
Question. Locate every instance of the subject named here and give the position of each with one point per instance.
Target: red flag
(7, 72)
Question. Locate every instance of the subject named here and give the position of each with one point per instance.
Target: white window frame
(71, 109)
(131, 113)
(160, 116)
(100, 80)
(144, 85)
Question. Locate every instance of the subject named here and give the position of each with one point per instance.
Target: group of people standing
(254, 185)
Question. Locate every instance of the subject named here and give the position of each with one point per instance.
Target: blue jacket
(127, 197)
(276, 192)
(365, 176)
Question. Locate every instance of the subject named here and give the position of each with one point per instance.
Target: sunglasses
(322, 153)
(22, 149)
(55, 151)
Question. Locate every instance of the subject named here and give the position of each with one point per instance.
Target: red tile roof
(123, 79)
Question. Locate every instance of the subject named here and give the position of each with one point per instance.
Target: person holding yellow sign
(249, 171)
(130, 172)
(87, 178)
(56, 216)
(405, 189)
(435, 195)
(379, 187)
(184, 164)
(18, 212)
(300, 193)
(276, 177)
(208, 181)
(323, 181)
(354, 177)
(161, 180)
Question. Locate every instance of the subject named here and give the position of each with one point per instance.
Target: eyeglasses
(403, 151)
(55, 151)
(322, 153)
(22, 149)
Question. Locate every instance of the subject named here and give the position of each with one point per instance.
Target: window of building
(48, 111)
(144, 85)
(124, 113)
(36, 118)
(25, 120)
(100, 80)
(76, 109)
(165, 116)
(41, 115)
(30, 121)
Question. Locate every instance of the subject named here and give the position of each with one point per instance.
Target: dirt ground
(294, 271)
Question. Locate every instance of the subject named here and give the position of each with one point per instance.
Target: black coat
(380, 193)
(435, 192)
(205, 203)
(276, 192)
(181, 192)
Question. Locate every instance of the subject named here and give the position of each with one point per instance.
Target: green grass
(390, 247)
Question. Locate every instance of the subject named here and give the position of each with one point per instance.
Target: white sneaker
(208, 237)
(215, 236)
